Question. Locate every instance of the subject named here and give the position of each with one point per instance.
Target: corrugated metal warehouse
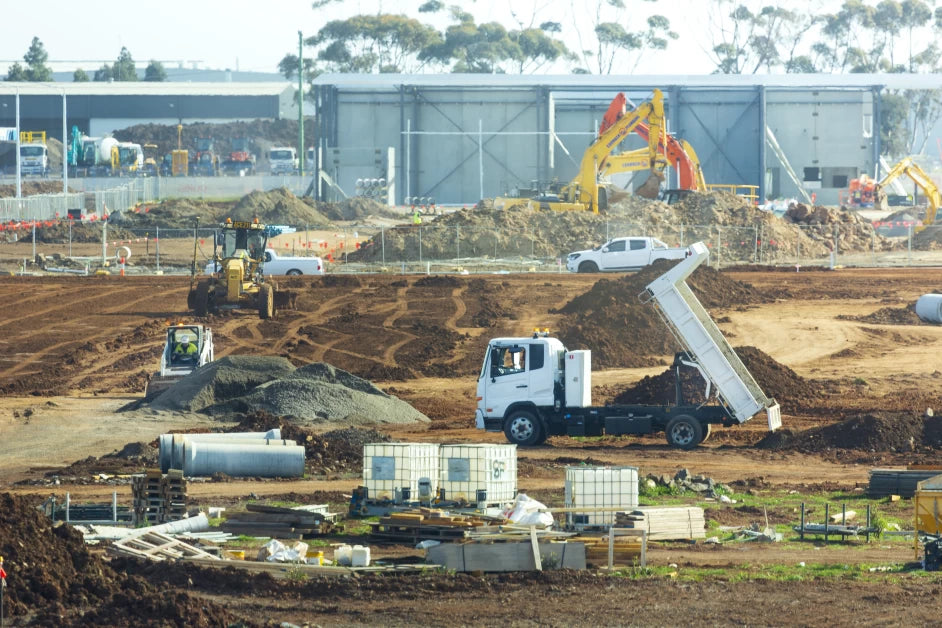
(100, 108)
(457, 138)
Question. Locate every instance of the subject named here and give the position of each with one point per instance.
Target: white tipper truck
(533, 387)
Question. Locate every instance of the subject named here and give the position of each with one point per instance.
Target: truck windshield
(32, 151)
(281, 154)
(240, 239)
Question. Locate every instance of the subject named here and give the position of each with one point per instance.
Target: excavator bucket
(651, 187)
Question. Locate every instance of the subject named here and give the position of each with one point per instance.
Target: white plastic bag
(525, 512)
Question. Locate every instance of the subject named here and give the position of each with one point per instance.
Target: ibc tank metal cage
(392, 471)
(478, 474)
(601, 491)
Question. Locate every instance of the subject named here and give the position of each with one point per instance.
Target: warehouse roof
(582, 81)
(145, 88)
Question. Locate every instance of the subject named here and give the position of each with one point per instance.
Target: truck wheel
(266, 302)
(684, 432)
(588, 267)
(294, 272)
(201, 299)
(522, 428)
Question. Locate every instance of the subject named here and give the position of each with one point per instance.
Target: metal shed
(458, 138)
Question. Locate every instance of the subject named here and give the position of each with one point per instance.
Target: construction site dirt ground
(76, 349)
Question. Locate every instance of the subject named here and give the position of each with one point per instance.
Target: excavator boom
(922, 180)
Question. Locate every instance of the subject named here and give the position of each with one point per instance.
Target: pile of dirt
(316, 393)
(776, 380)
(53, 580)
(59, 232)
(32, 187)
(877, 432)
(338, 450)
(132, 458)
(277, 207)
(354, 208)
(852, 232)
(262, 135)
(623, 332)
(905, 315)
(174, 213)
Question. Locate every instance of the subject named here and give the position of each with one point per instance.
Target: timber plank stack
(158, 497)
(665, 524)
(626, 550)
(279, 522)
(426, 523)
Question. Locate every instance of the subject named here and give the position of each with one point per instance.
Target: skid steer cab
(186, 347)
(238, 281)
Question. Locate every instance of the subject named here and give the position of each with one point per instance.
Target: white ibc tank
(391, 467)
(929, 308)
(479, 473)
(600, 487)
(203, 458)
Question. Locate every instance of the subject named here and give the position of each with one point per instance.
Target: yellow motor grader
(238, 280)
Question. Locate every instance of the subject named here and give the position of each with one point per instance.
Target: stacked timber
(279, 522)
(665, 524)
(158, 497)
(626, 550)
(425, 523)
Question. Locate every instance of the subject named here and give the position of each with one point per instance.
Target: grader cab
(238, 281)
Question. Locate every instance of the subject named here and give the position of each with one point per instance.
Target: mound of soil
(330, 452)
(354, 208)
(775, 379)
(262, 135)
(277, 207)
(905, 315)
(623, 332)
(53, 580)
(879, 432)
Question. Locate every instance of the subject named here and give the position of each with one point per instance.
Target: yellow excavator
(922, 180)
(585, 192)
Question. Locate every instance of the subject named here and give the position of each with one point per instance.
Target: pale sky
(255, 35)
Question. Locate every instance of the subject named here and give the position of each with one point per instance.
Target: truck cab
(34, 157)
(283, 160)
(518, 372)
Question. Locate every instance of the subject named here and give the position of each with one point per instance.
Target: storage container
(343, 555)
(393, 470)
(605, 488)
(478, 473)
(360, 556)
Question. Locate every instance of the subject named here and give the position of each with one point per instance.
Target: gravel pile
(220, 381)
(320, 393)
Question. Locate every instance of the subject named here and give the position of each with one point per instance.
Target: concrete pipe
(206, 458)
(174, 460)
(929, 308)
(182, 441)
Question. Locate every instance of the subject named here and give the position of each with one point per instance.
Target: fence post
(719, 245)
(157, 248)
(909, 245)
(755, 244)
(457, 242)
(382, 239)
(420, 245)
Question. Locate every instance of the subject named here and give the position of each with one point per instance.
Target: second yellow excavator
(922, 180)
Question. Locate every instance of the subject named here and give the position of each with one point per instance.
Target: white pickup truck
(621, 254)
(275, 264)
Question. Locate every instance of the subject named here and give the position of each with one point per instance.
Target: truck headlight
(573, 256)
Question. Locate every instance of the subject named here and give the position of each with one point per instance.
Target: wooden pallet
(279, 522)
(157, 546)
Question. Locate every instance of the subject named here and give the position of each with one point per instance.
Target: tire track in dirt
(63, 303)
(457, 297)
(39, 357)
(310, 318)
(402, 308)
